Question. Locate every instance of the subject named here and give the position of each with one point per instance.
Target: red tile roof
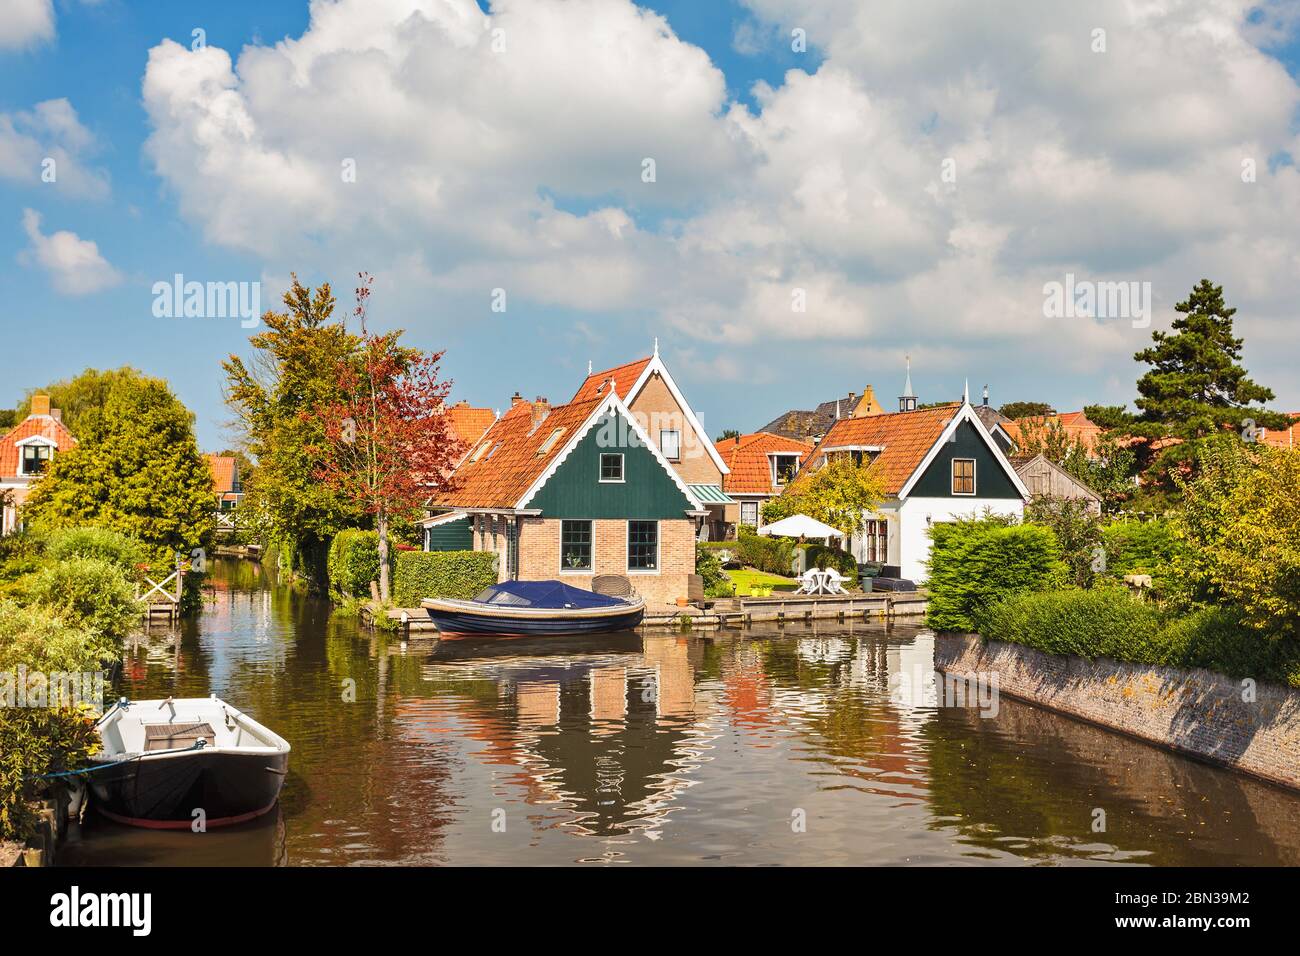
(624, 377)
(44, 425)
(468, 423)
(223, 473)
(1284, 437)
(498, 479)
(746, 456)
(1078, 427)
(904, 437)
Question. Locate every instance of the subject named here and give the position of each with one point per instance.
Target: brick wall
(1193, 711)
(656, 409)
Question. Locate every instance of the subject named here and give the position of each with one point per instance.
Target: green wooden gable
(991, 480)
(454, 535)
(647, 491)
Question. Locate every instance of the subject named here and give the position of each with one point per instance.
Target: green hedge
(453, 574)
(1144, 547)
(975, 563)
(820, 556)
(353, 563)
(773, 555)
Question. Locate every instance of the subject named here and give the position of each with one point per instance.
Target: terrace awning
(711, 495)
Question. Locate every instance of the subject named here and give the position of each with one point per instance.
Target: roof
(624, 376)
(498, 479)
(802, 424)
(905, 438)
(43, 426)
(1077, 426)
(710, 494)
(469, 423)
(224, 470)
(746, 457)
(1283, 437)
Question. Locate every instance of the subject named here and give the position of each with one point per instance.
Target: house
(810, 426)
(577, 490)
(1076, 426)
(648, 390)
(1288, 437)
(937, 464)
(226, 486)
(760, 466)
(1045, 479)
(25, 453)
(469, 423)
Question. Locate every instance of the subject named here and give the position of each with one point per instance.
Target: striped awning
(711, 495)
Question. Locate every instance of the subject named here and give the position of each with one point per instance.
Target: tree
(840, 493)
(1196, 386)
(1015, 410)
(76, 397)
(388, 446)
(1108, 417)
(294, 373)
(727, 435)
(136, 470)
(1078, 534)
(1046, 437)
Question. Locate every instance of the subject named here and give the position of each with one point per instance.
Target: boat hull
(163, 792)
(467, 624)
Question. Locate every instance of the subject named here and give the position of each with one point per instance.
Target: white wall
(917, 514)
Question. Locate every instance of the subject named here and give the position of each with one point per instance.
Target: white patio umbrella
(801, 526)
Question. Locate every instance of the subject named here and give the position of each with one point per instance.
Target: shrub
(1144, 547)
(1103, 622)
(103, 543)
(32, 636)
(773, 555)
(33, 741)
(1077, 531)
(976, 562)
(353, 563)
(709, 567)
(88, 592)
(452, 574)
(821, 557)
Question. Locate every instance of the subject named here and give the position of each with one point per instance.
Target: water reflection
(813, 745)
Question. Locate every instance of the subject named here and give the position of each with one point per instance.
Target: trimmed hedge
(103, 543)
(453, 574)
(353, 563)
(773, 555)
(820, 556)
(976, 563)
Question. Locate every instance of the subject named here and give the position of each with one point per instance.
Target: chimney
(541, 408)
(515, 399)
(461, 404)
(986, 396)
(40, 404)
(56, 414)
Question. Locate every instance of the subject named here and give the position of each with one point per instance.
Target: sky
(789, 195)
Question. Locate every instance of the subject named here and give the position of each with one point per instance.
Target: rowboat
(167, 764)
(516, 609)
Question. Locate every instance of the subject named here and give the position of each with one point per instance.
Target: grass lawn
(746, 578)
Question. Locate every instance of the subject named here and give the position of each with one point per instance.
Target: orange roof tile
(624, 377)
(1077, 426)
(746, 456)
(223, 473)
(1284, 437)
(469, 423)
(498, 479)
(904, 438)
(44, 425)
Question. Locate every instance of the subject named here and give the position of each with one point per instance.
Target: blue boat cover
(544, 594)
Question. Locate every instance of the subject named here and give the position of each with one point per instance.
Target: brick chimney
(515, 399)
(40, 404)
(541, 408)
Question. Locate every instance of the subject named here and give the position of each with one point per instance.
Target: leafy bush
(33, 741)
(20, 554)
(43, 642)
(1077, 531)
(773, 555)
(91, 593)
(452, 574)
(353, 563)
(1144, 547)
(976, 562)
(709, 567)
(1103, 622)
(821, 557)
(103, 543)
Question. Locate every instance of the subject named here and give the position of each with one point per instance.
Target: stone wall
(1196, 712)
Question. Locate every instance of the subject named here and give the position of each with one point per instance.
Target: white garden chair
(833, 582)
(811, 582)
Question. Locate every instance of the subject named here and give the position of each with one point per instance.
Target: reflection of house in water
(537, 704)
(674, 675)
(608, 688)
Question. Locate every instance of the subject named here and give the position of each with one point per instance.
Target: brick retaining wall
(1196, 712)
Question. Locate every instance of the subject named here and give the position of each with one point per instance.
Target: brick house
(760, 465)
(572, 491)
(25, 453)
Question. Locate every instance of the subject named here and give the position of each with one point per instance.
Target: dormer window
(784, 468)
(36, 458)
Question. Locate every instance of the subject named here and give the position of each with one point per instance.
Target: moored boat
(516, 609)
(167, 763)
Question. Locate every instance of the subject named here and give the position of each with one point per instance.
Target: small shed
(1044, 478)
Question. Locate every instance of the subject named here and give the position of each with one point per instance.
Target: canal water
(807, 745)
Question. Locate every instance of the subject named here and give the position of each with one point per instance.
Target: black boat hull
(165, 792)
(463, 625)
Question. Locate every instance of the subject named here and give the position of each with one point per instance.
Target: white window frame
(749, 504)
(671, 431)
(622, 468)
(775, 468)
(38, 441)
(952, 479)
(627, 546)
(591, 569)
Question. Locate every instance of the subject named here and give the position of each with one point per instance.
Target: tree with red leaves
(388, 443)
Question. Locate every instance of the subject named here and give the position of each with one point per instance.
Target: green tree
(1015, 410)
(728, 434)
(1077, 531)
(136, 470)
(276, 398)
(840, 493)
(78, 396)
(1108, 417)
(1196, 386)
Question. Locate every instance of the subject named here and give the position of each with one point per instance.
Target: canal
(808, 745)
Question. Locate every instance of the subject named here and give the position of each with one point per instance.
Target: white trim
(656, 365)
(974, 480)
(622, 468)
(611, 403)
(627, 546)
(34, 441)
(592, 544)
(964, 414)
(447, 518)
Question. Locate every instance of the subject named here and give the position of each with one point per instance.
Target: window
(963, 476)
(550, 441)
(784, 468)
(749, 513)
(611, 467)
(875, 541)
(670, 443)
(575, 545)
(494, 449)
(479, 451)
(35, 458)
(643, 545)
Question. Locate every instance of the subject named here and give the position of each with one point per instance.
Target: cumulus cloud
(47, 146)
(25, 23)
(915, 190)
(75, 265)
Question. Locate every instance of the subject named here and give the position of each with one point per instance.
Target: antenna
(656, 345)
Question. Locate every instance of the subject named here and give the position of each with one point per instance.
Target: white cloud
(74, 264)
(47, 147)
(26, 22)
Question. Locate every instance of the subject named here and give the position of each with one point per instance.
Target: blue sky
(522, 173)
